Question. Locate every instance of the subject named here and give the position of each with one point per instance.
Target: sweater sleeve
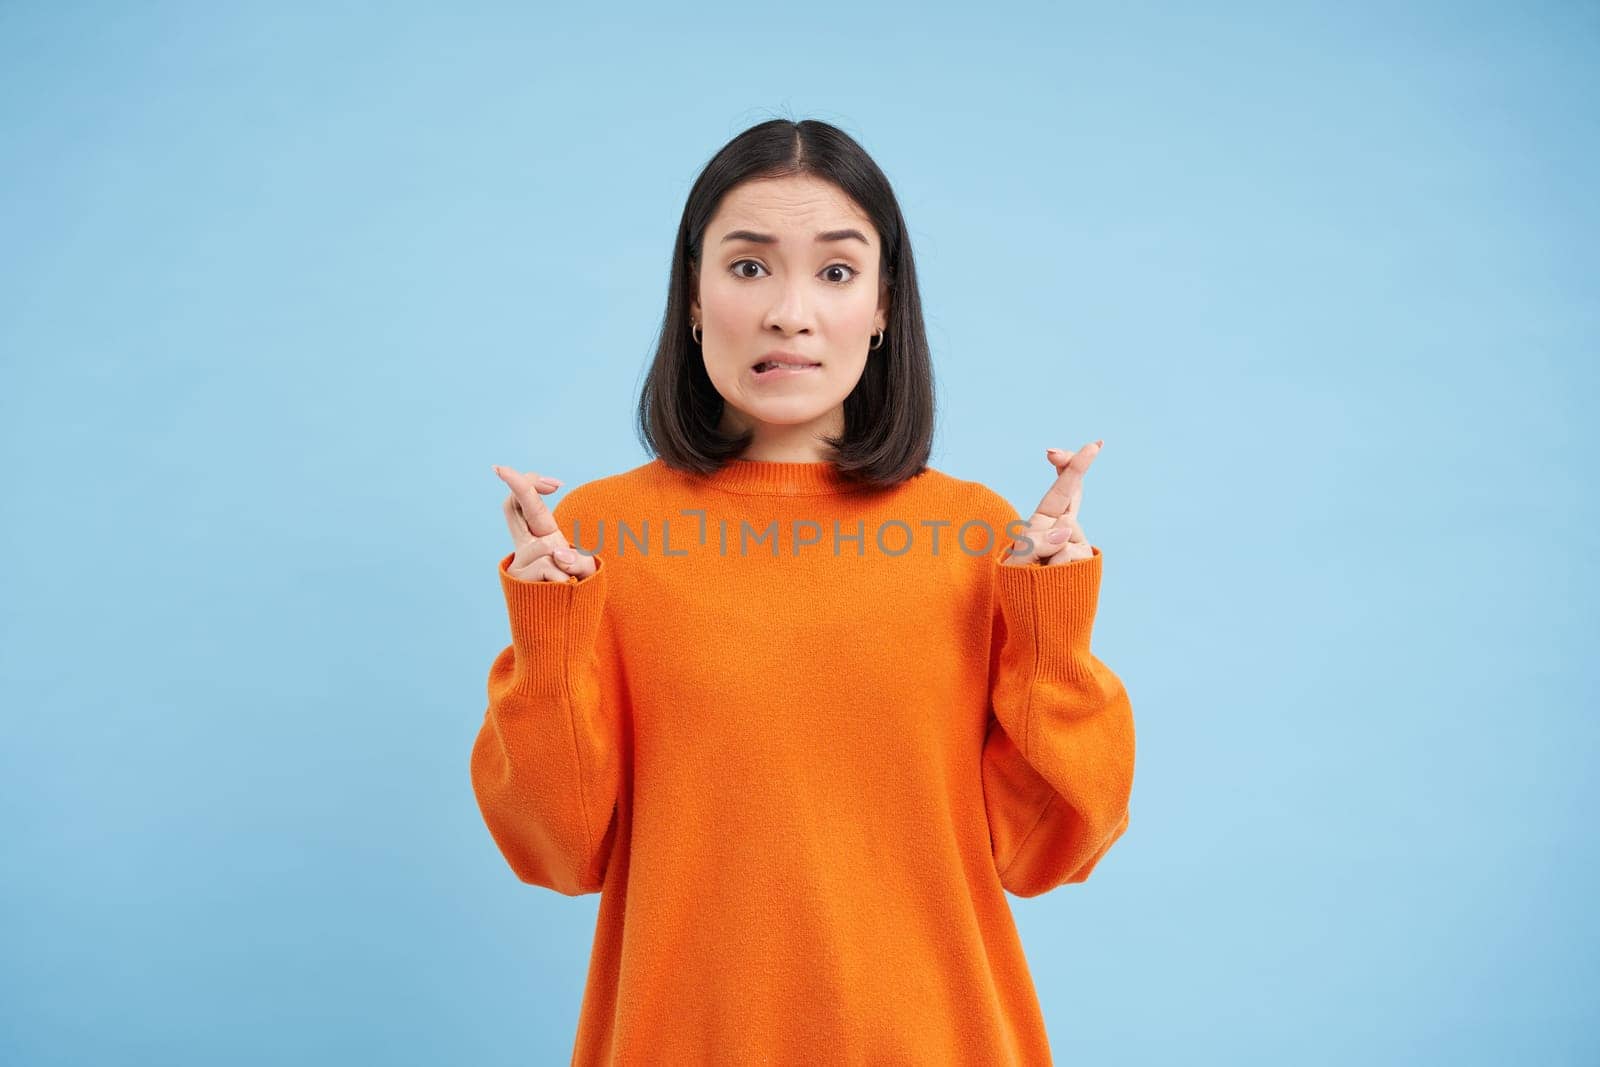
(546, 762)
(1058, 756)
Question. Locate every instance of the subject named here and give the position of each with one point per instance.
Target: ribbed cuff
(551, 622)
(1054, 608)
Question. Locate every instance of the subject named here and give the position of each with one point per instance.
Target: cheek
(724, 301)
(856, 316)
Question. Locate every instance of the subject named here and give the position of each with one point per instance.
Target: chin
(786, 416)
(787, 412)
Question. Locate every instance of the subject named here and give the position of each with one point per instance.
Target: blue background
(278, 285)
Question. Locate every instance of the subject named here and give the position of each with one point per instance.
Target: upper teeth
(781, 363)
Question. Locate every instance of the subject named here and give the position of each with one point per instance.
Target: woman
(808, 707)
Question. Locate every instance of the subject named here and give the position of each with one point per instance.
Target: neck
(779, 443)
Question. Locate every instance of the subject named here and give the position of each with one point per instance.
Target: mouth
(784, 367)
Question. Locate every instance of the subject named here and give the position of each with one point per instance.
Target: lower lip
(783, 372)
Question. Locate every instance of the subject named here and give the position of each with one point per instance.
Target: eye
(736, 268)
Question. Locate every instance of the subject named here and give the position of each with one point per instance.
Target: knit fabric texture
(803, 737)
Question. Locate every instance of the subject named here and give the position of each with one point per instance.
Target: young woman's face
(767, 285)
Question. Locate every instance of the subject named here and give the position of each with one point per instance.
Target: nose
(789, 310)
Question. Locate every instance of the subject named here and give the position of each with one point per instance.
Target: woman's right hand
(542, 551)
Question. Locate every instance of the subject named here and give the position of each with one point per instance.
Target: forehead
(791, 207)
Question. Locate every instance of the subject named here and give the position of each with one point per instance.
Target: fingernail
(549, 481)
(1055, 537)
(497, 468)
(565, 555)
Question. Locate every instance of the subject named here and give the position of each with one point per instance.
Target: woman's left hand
(1057, 514)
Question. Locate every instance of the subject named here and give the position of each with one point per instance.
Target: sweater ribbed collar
(758, 477)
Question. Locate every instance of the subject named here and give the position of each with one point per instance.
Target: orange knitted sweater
(801, 737)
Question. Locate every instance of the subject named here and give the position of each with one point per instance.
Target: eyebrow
(821, 238)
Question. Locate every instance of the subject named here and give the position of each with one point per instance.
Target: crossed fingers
(542, 551)
(1053, 527)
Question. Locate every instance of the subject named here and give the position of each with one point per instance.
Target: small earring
(692, 333)
(880, 340)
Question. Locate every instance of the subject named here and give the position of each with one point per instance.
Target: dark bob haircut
(889, 416)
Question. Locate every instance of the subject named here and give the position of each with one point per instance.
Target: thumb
(573, 562)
